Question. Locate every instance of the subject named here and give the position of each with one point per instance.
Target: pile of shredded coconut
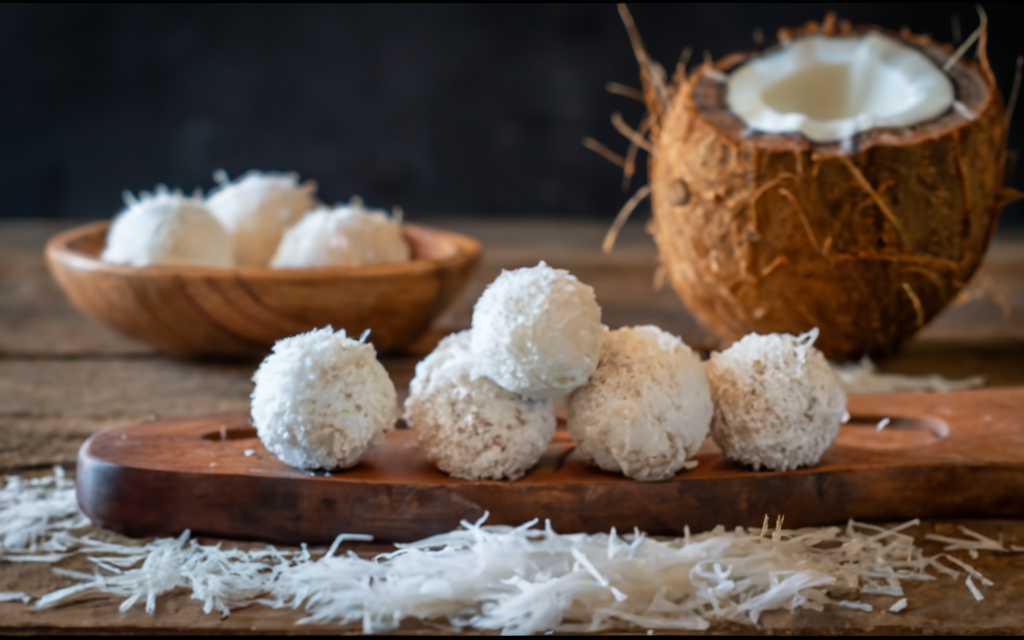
(515, 579)
(33, 510)
(863, 377)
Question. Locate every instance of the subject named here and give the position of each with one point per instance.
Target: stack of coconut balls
(258, 220)
(639, 401)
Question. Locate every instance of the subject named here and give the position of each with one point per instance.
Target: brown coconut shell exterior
(867, 240)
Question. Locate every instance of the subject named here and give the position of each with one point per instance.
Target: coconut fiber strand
(513, 579)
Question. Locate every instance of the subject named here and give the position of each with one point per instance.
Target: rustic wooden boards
(64, 376)
(957, 454)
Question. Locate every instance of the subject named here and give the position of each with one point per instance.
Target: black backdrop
(467, 109)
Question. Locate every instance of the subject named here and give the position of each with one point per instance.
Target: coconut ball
(322, 400)
(256, 209)
(469, 426)
(646, 409)
(537, 331)
(167, 228)
(346, 235)
(778, 404)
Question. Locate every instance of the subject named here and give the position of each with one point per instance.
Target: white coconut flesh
(832, 88)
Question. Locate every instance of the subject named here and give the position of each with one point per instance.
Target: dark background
(445, 110)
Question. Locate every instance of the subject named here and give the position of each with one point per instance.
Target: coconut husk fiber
(867, 239)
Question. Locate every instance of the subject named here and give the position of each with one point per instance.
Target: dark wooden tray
(955, 454)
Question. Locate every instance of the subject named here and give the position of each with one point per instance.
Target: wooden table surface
(62, 377)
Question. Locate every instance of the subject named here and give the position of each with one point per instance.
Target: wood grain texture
(243, 311)
(36, 318)
(958, 454)
(63, 376)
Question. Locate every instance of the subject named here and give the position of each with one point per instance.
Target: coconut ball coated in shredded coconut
(469, 426)
(646, 409)
(537, 332)
(169, 229)
(256, 208)
(322, 400)
(347, 235)
(778, 403)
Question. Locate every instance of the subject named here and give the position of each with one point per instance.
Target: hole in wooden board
(230, 434)
(861, 432)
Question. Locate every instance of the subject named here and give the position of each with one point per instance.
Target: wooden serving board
(955, 454)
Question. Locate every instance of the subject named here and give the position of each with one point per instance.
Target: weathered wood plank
(36, 319)
(973, 465)
(48, 407)
(62, 376)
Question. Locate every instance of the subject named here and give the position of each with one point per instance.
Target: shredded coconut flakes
(6, 596)
(33, 510)
(863, 377)
(517, 580)
(974, 590)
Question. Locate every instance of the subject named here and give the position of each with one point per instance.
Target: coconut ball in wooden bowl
(167, 270)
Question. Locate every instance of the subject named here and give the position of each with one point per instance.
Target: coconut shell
(867, 239)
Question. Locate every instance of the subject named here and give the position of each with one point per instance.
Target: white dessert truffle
(778, 404)
(347, 235)
(167, 228)
(646, 409)
(469, 426)
(322, 400)
(537, 331)
(256, 209)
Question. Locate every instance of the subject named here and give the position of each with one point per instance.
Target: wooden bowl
(242, 311)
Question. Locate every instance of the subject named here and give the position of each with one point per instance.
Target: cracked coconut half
(846, 177)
